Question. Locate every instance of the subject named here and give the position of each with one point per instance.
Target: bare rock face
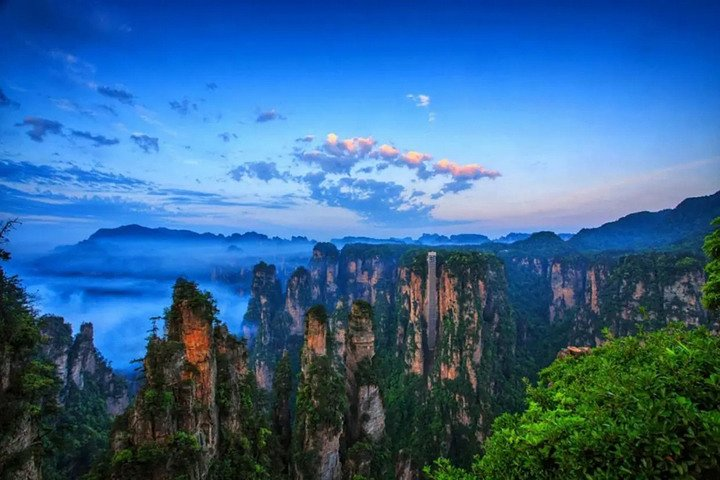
(324, 271)
(77, 361)
(320, 405)
(475, 344)
(298, 299)
(266, 315)
(411, 296)
(573, 352)
(20, 443)
(681, 299)
(366, 413)
(564, 283)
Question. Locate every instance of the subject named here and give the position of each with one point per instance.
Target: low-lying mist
(119, 282)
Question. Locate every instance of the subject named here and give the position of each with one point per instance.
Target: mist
(120, 280)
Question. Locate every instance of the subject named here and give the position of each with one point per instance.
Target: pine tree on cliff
(282, 428)
(28, 387)
(171, 431)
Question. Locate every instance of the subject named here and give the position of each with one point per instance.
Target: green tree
(636, 407)
(711, 290)
(28, 386)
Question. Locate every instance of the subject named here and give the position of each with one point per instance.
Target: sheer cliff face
(233, 380)
(323, 271)
(411, 298)
(320, 405)
(365, 418)
(590, 294)
(367, 413)
(177, 405)
(298, 299)
(475, 338)
(266, 315)
(78, 361)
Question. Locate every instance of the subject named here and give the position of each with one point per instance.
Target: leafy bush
(711, 290)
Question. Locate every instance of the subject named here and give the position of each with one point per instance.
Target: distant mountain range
(683, 226)
(157, 251)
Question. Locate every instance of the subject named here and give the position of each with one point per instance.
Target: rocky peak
(298, 299)
(361, 339)
(321, 404)
(176, 408)
(316, 321)
(267, 317)
(366, 413)
(78, 361)
(323, 271)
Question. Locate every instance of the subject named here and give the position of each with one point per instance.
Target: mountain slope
(685, 224)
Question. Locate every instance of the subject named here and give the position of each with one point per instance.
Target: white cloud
(420, 99)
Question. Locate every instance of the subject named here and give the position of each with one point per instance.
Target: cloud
(212, 86)
(227, 136)
(387, 152)
(118, 93)
(264, 171)
(431, 117)
(183, 107)
(65, 206)
(472, 171)
(350, 147)
(145, 142)
(337, 155)
(413, 158)
(98, 140)
(420, 99)
(269, 116)
(380, 202)
(6, 102)
(29, 173)
(305, 139)
(40, 127)
(75, 69)
(108, 109)
(70, 106)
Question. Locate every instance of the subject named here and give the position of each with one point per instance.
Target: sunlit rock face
(179, 396)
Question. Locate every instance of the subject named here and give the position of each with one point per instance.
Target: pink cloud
(386, 152)
(352, 147)
(414, 158)
(471, 171)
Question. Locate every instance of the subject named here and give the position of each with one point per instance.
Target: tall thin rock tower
(431, 304)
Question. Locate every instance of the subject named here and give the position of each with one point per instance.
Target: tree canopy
(637, 407)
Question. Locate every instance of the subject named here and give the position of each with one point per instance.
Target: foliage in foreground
(637, 407)
(711, 289)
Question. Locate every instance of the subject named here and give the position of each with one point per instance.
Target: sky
(371, 118)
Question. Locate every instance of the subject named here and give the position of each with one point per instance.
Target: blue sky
(353, 118)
